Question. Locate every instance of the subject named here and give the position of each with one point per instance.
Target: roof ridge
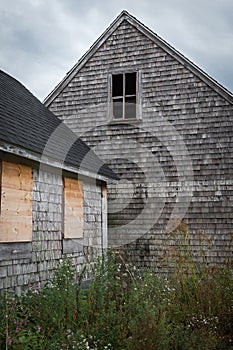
(119, 19)
(125, 15)
(182, 56)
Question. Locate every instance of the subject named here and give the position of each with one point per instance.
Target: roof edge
(124, 15)
(56, 164)
(94, 47)
(182, 59)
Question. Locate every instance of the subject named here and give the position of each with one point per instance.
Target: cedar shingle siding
(175, 161)
(38, 156)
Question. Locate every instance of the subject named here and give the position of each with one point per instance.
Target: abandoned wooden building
(166, 128)
(53, 191)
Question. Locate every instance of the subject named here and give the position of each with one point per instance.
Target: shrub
(123, 309)
(103, 309)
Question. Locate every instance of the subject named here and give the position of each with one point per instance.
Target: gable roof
(125, 16)
(25, 122)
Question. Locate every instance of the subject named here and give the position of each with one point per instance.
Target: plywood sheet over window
(16, 203)
(73, 208)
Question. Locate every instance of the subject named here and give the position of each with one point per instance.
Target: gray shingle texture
(26, 122)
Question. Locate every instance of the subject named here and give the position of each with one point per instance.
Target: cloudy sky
(40, 40)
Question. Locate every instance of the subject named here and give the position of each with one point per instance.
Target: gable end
(124, 15)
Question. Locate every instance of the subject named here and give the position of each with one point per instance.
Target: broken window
(73, 208)
(16, 184)
(124, 96)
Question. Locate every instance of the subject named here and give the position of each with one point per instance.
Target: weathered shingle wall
(92, 215)
(178, 157)
(34, 262)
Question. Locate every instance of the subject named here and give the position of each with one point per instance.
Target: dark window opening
(124, 96)
(130, 84)
(117, 85)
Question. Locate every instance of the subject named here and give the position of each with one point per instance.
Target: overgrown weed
(125, 310)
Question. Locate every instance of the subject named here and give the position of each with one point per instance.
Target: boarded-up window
(73, 208)
(16, 203)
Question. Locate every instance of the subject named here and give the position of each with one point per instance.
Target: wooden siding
(177, 108)
(24, 263)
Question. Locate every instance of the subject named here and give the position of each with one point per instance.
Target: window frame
(124, 96)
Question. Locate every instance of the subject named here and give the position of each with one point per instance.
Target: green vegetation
(192, 308)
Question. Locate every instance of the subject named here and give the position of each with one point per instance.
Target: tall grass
(123, 309)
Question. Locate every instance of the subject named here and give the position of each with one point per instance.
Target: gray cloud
(41, 40)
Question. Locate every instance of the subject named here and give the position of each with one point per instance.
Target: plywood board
(16, 203)
(16, 176)
(73, 208)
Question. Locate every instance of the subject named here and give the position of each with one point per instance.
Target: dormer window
(124, 96)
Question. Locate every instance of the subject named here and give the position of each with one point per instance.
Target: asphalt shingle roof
(26, 122)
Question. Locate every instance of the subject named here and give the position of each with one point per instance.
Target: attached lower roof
(25, 122)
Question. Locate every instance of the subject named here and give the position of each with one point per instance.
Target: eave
(45, 162)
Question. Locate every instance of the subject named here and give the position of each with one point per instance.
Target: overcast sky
(41, 40)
